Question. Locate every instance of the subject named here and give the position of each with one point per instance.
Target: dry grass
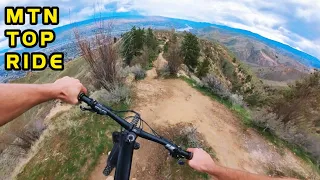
(11, 155)
(284, 172)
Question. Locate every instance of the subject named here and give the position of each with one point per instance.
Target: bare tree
(100, 54)
(174, 55)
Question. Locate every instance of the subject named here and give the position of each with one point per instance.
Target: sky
(292, 22)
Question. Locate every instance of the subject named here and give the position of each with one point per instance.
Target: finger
(191, 149)
(84, 90)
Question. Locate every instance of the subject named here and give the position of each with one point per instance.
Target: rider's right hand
(201, 160)
(68, 89)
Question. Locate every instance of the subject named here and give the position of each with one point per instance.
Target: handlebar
(95, 106)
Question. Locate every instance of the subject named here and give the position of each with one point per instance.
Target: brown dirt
(160, 62)
(168, 102)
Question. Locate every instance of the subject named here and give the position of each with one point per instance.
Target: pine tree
(132, 45)
(190, 50)
(151, 41)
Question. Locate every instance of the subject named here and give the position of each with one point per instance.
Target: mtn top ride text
(30, 38)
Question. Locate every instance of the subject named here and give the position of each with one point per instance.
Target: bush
(304, 144)
(184, 135)
(118, 93)
(297, 114)
(29, 135)
(236, 99)
(174, 59)
(164, 71)
(165, 47)
(255, 99)
(203, 68)
(142, 59)
(300, 101)
(138, 71)
(174, 55)
(215, 85)
(228, 70)
(101, 57)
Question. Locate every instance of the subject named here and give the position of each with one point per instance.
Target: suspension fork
(127, 145)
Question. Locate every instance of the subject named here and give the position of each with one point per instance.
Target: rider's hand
(68, 89)
(201, 160)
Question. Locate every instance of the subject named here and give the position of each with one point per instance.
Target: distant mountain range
(268, 61)
(253, 49)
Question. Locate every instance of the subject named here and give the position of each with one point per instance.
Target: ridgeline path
(171, 101)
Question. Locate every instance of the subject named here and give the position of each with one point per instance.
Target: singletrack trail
(171, 101)
(168, 102)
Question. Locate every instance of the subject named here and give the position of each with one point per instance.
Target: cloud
(292, 22)
(268, 18)
(122, 9)
(308, 10)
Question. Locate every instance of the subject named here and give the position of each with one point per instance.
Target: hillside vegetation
(268, 62)
(293, 115)
(288, 116)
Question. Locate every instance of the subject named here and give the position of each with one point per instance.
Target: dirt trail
(172, 101)
(58, 108)
(168, 102)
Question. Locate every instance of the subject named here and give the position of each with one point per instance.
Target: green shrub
(228, 69)
(203, 68)
(165, 47)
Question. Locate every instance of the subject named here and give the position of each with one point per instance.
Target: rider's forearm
(231, 174)
(15, 99)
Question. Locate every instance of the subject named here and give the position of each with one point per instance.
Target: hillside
(265, 59)
(35, 120)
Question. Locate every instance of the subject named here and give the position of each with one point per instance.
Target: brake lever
(181, 162)
(175, 155)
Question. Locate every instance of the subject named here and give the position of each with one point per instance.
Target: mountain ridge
(314, 60)
(125, 21)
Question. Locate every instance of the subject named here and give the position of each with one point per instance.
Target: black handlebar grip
(80, 96)
(187, 155)
(190, 155)
(84, 98)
